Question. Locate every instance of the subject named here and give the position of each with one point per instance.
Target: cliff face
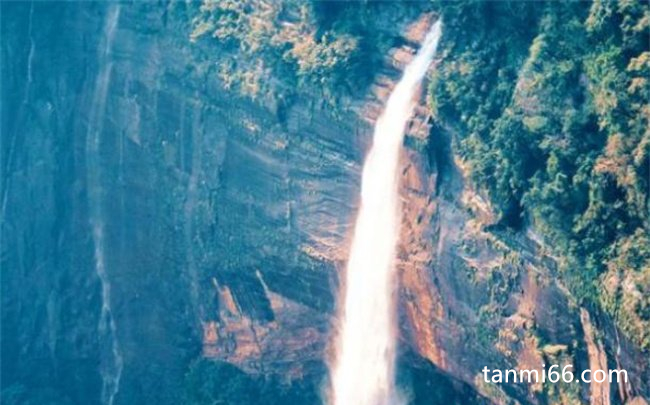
(135, 186)
(152, 218)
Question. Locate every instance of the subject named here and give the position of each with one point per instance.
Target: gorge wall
(226, 220)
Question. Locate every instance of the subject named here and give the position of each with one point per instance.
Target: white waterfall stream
(363, 372)
(111, 356)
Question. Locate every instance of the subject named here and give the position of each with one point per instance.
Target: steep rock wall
(226, 221)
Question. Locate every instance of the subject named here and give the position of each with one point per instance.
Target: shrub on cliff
(276, 37)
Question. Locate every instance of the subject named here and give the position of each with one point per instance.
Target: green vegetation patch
(550, 105)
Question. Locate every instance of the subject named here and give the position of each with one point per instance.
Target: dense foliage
(333, 46)
(550, 104)
(272, 39)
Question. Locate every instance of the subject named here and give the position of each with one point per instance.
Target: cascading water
(111, 357)
(363, 371)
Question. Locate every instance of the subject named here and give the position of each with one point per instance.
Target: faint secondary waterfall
(22, 110)
(111, 362)
(363, 373)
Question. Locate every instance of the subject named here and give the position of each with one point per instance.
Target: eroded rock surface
(226, 223)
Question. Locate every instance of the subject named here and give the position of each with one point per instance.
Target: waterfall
(111, 357)
(22, 110)
(363, 373)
